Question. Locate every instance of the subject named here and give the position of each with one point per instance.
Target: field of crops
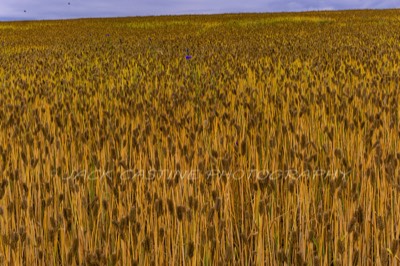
(257, 139)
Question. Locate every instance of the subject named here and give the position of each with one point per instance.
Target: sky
(60, 9)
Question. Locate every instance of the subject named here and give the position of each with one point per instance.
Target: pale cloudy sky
(59, 9)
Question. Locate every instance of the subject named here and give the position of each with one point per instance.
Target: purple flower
(188, 56)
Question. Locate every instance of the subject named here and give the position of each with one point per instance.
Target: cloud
(54, 9)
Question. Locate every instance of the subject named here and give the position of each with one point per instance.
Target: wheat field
(238, 139)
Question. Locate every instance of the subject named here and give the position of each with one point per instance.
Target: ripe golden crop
(227, 139)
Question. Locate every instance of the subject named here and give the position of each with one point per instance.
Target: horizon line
(7, 20)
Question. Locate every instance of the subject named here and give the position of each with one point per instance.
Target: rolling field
(257, 139)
